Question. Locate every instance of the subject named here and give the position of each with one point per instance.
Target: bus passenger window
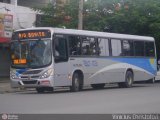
(93, 46)
(149, 49)
(60, 50)
(89, 46)
(116, 47)
(85, 46)
(128, 49)
(139, 48)
(74, 45)
(103, 47)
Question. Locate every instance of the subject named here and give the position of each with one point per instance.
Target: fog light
(45, 82)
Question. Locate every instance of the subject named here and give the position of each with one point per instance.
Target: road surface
(141, 98)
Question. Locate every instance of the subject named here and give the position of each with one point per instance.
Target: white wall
(23, 17)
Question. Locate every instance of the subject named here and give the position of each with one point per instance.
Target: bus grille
(27, 77)
(30, 82)
(32, 72)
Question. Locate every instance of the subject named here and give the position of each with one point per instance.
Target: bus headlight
(47, 73)
(13, 75)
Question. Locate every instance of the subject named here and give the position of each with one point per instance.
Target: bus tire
(98, 86)
(129, 78)
(40, 90)
(75, 83)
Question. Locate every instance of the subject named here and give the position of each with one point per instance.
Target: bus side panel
(61, 74)
(97, 70)
(110, 70)
(143, 68)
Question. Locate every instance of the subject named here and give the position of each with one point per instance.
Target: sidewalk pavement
(5, 85)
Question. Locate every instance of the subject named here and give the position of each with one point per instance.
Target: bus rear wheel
(76, 85)
(128, 80)
(98, 86)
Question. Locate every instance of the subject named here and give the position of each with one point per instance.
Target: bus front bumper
(31, 83)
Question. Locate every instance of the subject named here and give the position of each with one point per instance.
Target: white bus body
(112, 58)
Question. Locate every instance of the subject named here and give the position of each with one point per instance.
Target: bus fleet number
(90, 63)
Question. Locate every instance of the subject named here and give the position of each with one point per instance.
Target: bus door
(61, 65)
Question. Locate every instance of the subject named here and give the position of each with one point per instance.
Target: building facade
(12, 17)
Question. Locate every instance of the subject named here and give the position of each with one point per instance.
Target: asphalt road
(141, 98)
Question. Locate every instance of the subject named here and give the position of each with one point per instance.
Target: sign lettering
(31, 34)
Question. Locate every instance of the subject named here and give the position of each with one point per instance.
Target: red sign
(4, 40)
(6, 27)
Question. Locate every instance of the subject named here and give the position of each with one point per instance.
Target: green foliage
(58, 15)
(140, 17)
(46, 17)
(71, 10)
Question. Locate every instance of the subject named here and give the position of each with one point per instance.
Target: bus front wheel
(75, 83)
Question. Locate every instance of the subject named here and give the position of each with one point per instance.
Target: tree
(140, 17)
(58, 15)
(46, 16)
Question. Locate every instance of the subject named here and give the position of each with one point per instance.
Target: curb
(5, 87)
(10, 91)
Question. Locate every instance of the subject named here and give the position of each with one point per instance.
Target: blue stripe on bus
(147, 64)
(20, 71)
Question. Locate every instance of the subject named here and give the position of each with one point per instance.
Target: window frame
(131, 49)
(58, 59)
(136, 49)
(150, 49)
(116, 39)
(96, 38)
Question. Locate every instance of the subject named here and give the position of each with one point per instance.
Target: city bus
(46, 58)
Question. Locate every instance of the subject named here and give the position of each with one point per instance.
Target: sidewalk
(5, 85)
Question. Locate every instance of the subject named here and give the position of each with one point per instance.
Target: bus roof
(92, 33)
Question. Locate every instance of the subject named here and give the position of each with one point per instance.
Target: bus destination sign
(31, 34)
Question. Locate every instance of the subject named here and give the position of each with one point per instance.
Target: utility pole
(80, 15)
(14, 2)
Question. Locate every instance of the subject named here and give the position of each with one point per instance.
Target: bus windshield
(31, 53)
